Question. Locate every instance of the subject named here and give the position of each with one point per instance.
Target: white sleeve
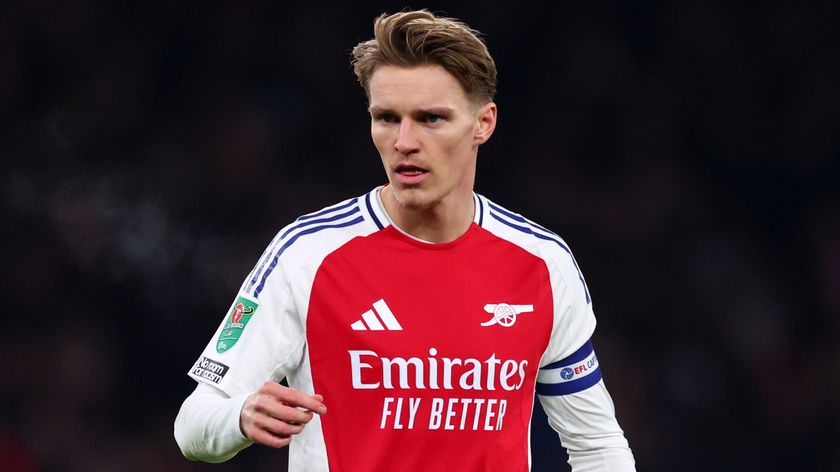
(207, 426)
(569, 381)
(589, 431)
(261, 337)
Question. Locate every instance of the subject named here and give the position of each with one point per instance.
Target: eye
(432, 118)
(386, 118)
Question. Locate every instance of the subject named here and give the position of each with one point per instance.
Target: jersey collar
(372, 203)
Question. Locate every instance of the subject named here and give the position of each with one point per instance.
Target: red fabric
(438, 295)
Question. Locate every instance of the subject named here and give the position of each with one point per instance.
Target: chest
(483, 298)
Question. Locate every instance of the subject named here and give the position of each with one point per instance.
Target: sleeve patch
(207, 368)
(235, 323)
(573, 374)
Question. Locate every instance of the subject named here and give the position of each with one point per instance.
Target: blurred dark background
(689, 153)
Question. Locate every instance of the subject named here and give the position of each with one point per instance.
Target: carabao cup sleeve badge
(235, 323)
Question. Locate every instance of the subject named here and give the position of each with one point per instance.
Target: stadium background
(689, 154)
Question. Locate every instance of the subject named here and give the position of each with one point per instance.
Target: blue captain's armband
(573, 374)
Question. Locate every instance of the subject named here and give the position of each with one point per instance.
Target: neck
(444, 222)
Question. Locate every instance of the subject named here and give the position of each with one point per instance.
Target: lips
(410, 174)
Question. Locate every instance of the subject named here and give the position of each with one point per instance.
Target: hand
(274, 413)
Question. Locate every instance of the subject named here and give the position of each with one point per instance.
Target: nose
(406, 142)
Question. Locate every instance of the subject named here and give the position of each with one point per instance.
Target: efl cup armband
(573, 374)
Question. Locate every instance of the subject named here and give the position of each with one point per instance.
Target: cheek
(380, 138)
(460, 141)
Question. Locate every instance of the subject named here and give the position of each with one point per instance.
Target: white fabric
(274, 347)
(207, 426)
(588, 429)
(574, 320)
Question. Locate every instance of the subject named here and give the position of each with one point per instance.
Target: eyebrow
(420, 111)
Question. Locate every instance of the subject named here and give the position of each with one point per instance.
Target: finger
(264, 437)
(255, 424)
(291, 414)
(278, 427)
(272, 407)
(295, 397)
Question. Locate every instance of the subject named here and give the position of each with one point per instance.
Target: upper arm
(260, 338)
(569, 382)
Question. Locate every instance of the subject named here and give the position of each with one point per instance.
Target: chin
(415, 199)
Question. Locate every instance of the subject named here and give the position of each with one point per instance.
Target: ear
(485, 121)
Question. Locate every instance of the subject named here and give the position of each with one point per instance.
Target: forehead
(395, 87)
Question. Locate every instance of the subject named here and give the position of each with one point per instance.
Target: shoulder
(519, 230)
(532, 237)
(312, 236)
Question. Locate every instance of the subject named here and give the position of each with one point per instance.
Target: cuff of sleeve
(225, 439)
(234, 406)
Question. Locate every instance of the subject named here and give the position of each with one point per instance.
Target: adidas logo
(371, 322)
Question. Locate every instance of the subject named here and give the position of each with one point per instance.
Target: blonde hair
(413, 38)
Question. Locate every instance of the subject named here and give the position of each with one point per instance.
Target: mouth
(410, 174)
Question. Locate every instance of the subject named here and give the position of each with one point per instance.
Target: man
(423, 314)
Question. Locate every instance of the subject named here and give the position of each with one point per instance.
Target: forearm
(588, 429)
(207, 426)
(605, 460)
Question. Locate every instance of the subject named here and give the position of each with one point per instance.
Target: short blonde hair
(413, 38)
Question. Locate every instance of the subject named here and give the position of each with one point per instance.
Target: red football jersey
(427, 355)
